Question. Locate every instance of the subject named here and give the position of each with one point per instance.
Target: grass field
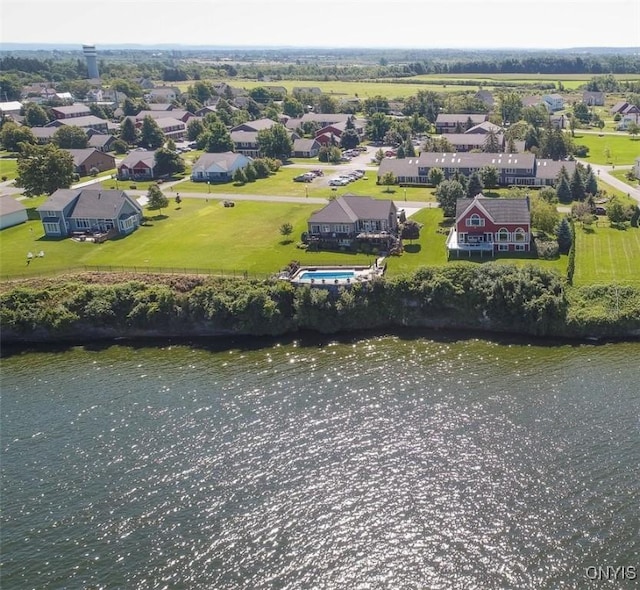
(8, 168)
(622, 175)
(619, 150)
(410, 86)
(607, 255)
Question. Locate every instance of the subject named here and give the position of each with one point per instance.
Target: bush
(546, 248)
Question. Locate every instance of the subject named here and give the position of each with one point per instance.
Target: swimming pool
(327, 275)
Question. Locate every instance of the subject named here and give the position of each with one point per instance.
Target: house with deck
(69, 211)
(351, 220)
(488, 226)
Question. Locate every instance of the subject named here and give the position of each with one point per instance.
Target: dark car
(229, 204)
(304, 177)
(601, 211)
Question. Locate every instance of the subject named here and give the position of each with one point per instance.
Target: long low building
(522, 169)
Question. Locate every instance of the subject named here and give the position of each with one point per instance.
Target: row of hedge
(492, 297)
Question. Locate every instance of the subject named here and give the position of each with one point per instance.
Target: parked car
(318, 172)
(229, 203)
(306, 177)
(338, 182)
(601, 211)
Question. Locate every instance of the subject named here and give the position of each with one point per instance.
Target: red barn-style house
(485, 225)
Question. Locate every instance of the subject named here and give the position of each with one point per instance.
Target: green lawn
(8, 168)
(282, 184)
(607, 255)
(198, 235)
(622, 175)
(609, 149)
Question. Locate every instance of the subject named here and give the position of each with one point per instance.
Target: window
(520, 247)
(82, 223)
(475, 221)
(51, 228)
(503, 247)
(519, 235)
(326, 229)
(502, 235)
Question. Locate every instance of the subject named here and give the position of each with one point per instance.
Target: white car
(338, 182)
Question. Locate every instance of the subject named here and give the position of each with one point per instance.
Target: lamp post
(208, 186)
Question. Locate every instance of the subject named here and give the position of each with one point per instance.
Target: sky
(326, 23)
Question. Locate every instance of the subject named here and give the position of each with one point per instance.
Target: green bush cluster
(494, 297)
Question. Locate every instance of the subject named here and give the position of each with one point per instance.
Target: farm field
(401, 88)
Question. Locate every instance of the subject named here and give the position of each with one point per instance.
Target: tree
(286, 229)
(128, 131)
(70, 137)
(13, 136)
(250, 172)
(327, 104)
(510, 107)
(616, 212)
(35, 115)
(388, 179)
(436, 176)
(329, 153)
(292, 107)
(544, 215)
(201, 91)
(216, 138)
(156, 198)
(377, 126)
(239, 176)
(491, 144)
(475, 185)
(119, 147)
(563, 190)
(489, 176)
(349, 139)
(150, 134)
(633, 129)
(261, 168)
(194, 128)
(577, 186)
(447, 194)
(375, 104)
(410, 230)
(44, 169)
(275, 142)
(169, 162)
(590, 182)
(581, 112)
(564, 237)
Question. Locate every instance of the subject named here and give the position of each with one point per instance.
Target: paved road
(603, 174)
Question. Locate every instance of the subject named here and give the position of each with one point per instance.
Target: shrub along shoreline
(493, 298)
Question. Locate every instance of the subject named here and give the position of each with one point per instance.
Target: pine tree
(577, 186)
(475, 185)
(590, 184)
(563, 190)
(563, 234)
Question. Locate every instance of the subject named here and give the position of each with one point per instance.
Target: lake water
(376, 463)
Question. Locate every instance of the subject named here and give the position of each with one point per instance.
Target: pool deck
(360, 274)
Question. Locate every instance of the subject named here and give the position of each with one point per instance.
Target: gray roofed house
(257, 125)
(179, 114)
(101, 141)
(70, 211)
(350, 219)
(305, 148)
(86, 159)
(246, 142)
(593, 98)
(12, 212)
(138, 165)
(448, 122)
(218, 167)
(465, 142)
(87, 122)
(405, 170)
(547, 170)
(485, 127)
(71, 111)
(43, 134)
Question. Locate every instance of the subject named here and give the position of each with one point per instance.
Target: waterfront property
(350, 221)
(485, 225)
(83, 211)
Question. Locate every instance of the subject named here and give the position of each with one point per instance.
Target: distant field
(607, 255)
(393, 88)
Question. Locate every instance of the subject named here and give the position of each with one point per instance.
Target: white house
(555, 102)
(12, 212)
(218, 167)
